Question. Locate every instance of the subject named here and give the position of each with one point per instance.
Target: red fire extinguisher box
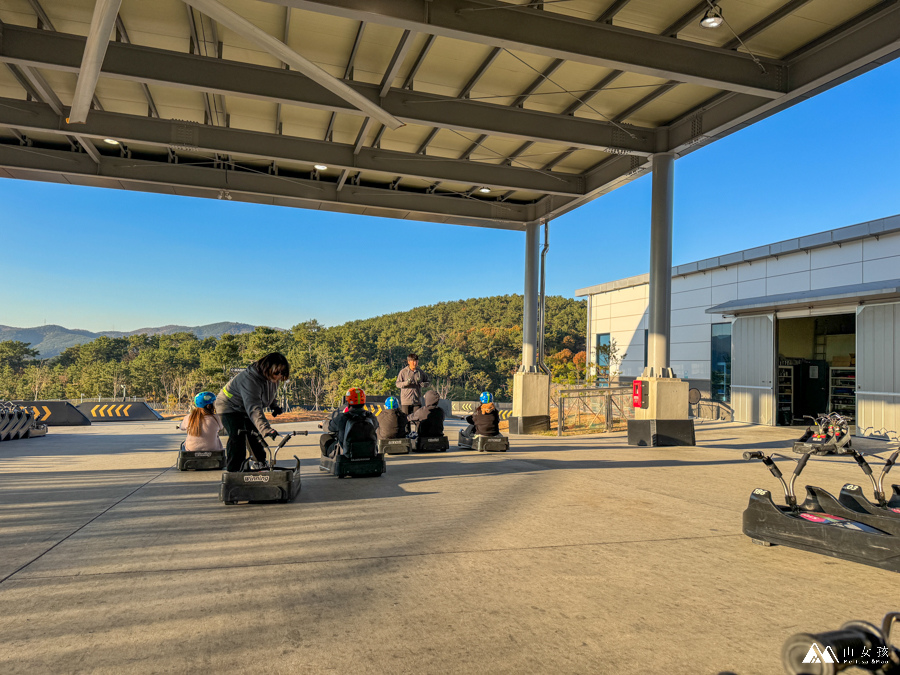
(637, 394)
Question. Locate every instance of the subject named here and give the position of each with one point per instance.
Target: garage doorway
(816, 369)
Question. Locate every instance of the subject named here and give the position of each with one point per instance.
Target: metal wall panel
(878, 371)
(753, 369)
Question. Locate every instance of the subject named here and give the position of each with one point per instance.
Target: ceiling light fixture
(111, 141)
(713, 17)
(319, 167)
(484, 190)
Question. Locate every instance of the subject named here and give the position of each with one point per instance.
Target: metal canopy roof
(413, 106)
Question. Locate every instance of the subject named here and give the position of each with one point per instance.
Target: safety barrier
(465, 408)
(18, 422)
(55, 413)
(119, 412)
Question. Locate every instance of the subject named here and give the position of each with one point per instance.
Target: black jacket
(393, 424)
(430, 417)
(486, 420)
(337, 425)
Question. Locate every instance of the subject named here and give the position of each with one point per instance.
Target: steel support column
(530, 308)
(660, 266)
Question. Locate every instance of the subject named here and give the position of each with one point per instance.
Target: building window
(720, 362)
(601, 348)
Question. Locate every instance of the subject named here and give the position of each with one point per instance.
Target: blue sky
(105, 259)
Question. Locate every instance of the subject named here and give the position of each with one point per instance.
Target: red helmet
(355, 396)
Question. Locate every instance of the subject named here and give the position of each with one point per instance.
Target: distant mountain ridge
(52, 340)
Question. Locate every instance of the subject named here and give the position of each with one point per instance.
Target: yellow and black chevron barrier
(465, 408)
(137, 411)
(55, 413)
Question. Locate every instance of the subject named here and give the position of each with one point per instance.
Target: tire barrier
(137, 411)
(55, 413)
(17, 422)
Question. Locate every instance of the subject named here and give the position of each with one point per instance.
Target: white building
(777, 332)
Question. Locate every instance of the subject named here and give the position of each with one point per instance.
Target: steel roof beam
(420, 59)
(132, 129)
(37, 86)
(537, 82)
(610, 12)
(249, 31)
(686, 19)
(102, 23)
(123, 36)
(866, 42)
(58, 51)
(563, 37)
(261, 188)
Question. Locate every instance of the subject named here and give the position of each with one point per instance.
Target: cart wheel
(230, 503)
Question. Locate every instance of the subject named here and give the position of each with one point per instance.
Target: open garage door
(878, 370)
(753, 368)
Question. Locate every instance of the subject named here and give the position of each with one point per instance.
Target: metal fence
(592, 409)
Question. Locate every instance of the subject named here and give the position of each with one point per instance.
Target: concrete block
(664, 398)
(531, 396)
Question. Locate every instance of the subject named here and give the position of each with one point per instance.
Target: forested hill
(467, 346)
(51, 340)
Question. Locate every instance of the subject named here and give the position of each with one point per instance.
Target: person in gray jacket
(241, 405)
(410, 381)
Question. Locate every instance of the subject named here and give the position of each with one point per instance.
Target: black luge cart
(263, 481)
(853, 498)
(431, 444)
(394, 446)
(831, 436)
(808, 528)
(200, 460)
(359, 457)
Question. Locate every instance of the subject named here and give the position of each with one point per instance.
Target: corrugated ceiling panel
(449, 65)
(155, 24)
(375, 52)
(250, 114)
(325, 40)
(671, 105)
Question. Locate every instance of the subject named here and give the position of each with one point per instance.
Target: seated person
(430, 418)
(392, 422)
(202, 425)
(485, 421)
(336, 428)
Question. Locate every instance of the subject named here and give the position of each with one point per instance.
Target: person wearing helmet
(202, 425)
(485, 421)
(392, 422)
(333, 435)
(242, 403)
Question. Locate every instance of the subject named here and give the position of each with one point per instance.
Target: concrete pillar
(530, 313)
(660, 310)
(531, 388)
(664, 415)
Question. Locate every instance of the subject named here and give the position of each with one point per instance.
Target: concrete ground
(575, 555)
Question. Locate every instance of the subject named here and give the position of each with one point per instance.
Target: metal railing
(592, 409)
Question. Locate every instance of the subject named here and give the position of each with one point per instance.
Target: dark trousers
(469, 432)
(327, 444)
(409, 409)
(241, 431)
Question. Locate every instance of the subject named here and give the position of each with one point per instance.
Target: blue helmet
(392, 403)
(486, 397)
(204, 398)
